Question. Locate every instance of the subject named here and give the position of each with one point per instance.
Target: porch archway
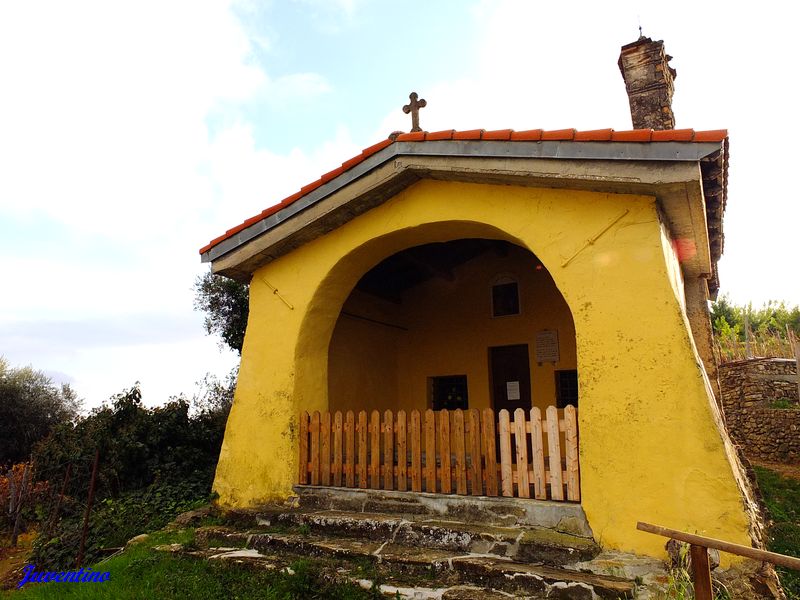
(312, 377)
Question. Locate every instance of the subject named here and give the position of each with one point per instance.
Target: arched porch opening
(451, 368)
(467, 323)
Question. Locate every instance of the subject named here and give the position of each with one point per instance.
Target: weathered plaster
(651, 447)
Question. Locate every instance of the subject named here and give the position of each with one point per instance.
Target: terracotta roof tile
(375, 148)
(597, 135)
(331, 174)
(498, 134)
(531, 135)
(673, 135)
(471, 134)
(285, 202)
(559, 134)
(440, 135)
(346, 165)
(635, 135)
(310, 187)
(213, 243)
(414, 136)
(716, 135)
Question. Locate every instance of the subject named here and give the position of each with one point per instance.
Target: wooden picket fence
(447, 452)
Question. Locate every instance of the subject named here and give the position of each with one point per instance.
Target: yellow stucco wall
(649, 448)
(448, 329)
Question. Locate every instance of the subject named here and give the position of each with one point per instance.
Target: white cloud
(104, 135)
(330, 16)
(298, 86)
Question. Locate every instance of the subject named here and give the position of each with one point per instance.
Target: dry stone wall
(752, 390)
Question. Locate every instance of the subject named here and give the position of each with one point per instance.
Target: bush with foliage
(31, 405)
(154, 464)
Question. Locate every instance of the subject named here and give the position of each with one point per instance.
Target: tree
(771, 319)
(225, 303)
(31, 405)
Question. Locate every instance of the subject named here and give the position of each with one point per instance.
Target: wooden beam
(701, 573)
(699, 540)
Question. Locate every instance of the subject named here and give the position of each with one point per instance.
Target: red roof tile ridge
(596, 135)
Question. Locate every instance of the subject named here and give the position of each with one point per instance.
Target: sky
(132, 133)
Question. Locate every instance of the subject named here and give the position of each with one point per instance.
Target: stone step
(567, 517)
(484, 570)
(521, 543)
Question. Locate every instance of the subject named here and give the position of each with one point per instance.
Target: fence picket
(506, 471)
(430, 451)
(445, 474)
(325, 449)
(350, 449)
(303, 466)
(372, 451)
(416, 452)
(459, 451)
(489, 450)
(402, 456)
(571, 451)
(362, 449)
(521, 439)
(537, 458)
(375, 450)
(315, 448)
(388, 450)
(336, 472)
(554, 450)
(476, 473)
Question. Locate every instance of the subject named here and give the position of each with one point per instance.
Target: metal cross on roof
(413, 108)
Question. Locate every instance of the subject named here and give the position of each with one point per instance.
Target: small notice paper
(512, 390)
(547, 346)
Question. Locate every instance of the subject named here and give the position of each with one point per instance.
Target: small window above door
(448, 392)
(505, 297)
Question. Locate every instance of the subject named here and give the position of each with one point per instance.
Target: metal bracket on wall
(275, 291)
(595, 237)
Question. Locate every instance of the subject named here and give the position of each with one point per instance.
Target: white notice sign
(547, 346)
(512, 390)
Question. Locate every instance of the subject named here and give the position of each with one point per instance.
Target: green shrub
(782, 499)
(154, 464)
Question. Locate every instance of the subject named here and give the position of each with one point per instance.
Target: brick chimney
(649, 83)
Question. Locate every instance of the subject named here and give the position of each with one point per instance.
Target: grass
(141, 572)
(783, 403)
(782, 498)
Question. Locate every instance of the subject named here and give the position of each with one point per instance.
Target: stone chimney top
(649, 81)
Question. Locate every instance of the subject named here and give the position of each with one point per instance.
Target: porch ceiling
(669, 171)
(413, 266)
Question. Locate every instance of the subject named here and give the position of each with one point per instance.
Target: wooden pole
(795, 343)
(54, 517)
(754, 553)
(79, 559)
(701, 573)
(747, 352)
(18, 518)
(12, 494)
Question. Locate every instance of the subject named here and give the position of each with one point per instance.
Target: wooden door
(510, 375)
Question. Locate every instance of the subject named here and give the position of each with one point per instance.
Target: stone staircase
(496, 548)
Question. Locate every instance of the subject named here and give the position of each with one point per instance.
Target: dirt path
(13, 559)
